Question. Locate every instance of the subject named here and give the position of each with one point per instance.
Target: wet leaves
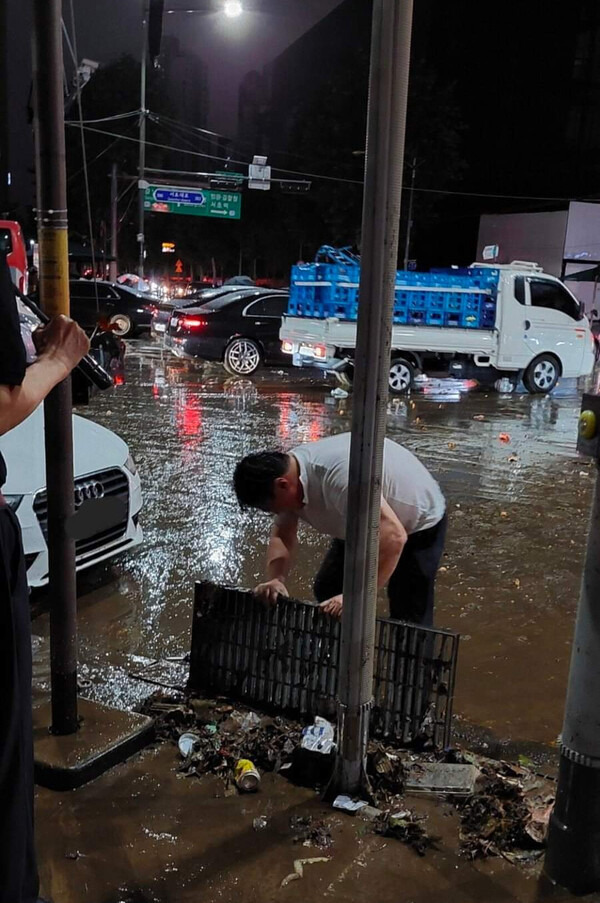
(311, 832)
(407, 827)
(508, 816)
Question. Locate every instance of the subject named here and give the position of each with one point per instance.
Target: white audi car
(104, 469)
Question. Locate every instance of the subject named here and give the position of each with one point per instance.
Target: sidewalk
(143, 832)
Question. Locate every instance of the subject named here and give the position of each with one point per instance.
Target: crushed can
(247, 777)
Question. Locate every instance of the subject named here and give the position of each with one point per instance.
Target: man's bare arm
(62, 344)
(392, 539)
(280, 553)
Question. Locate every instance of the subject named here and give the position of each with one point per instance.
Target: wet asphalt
(518, 497)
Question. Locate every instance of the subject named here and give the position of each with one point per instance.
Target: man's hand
(62, 340)
(268, 592)
(333, 606)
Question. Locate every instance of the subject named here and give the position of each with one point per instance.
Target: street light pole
(409, 221)
(54, 295)
(386, 122)
(142, 144)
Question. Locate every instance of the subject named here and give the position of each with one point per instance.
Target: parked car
(104, 469)
(127, 311)
(163, 312)
(240, 329)
(105, 347)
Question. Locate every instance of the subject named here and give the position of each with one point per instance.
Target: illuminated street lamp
(233, 9)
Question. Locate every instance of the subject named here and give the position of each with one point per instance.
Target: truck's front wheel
(542, 375)
(401, 376)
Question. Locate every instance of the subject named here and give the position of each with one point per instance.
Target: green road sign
(192, 201)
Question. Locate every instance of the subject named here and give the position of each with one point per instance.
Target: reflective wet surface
(517, 493)
(518, 498)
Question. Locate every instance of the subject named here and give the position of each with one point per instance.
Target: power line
(340, 179)
(112, 118)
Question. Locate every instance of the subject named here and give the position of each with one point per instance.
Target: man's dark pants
(18, 871)
(412, 585)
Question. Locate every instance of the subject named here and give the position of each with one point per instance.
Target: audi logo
(86, 491)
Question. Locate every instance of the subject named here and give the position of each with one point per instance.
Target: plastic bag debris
(348, 804)
(299, 868)
(260, 823)
(319, 737)
(250, 721)
(186, 744)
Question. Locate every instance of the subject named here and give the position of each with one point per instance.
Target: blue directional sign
(193, 201)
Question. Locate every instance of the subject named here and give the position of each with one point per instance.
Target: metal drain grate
(286, 658)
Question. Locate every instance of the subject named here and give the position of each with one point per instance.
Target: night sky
(229, 47)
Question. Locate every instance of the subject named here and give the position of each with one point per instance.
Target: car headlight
(131, 465)
(13, 501)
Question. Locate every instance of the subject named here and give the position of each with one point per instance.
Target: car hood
(95, 448)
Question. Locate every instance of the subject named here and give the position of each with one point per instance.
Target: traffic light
(155, 23)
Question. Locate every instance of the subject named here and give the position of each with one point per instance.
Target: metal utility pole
(54, 294)
(409, 221)
(388, 89)
(5, 131)
(572, 858)
(142, 152)
(114, 224)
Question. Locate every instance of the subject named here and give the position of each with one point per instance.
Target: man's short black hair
(255, 475)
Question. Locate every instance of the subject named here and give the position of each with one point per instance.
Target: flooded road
(518, 498)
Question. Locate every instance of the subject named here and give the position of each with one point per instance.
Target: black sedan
(240, 329)
(128, 312)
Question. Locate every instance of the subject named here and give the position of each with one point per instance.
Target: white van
(103, 469)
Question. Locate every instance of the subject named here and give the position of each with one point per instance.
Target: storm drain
(286, 659)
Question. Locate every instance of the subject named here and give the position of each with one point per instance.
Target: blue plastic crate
(434, 318)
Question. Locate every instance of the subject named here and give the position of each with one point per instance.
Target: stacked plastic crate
(444, 298)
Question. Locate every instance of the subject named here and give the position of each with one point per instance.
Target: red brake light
(191, 323)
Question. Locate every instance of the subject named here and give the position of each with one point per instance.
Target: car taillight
(287, 347)
(191, 323)
(152, 308)
(320, 351)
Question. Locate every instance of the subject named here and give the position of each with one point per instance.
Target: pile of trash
(509, 812)
(214, 737)
(504, 808)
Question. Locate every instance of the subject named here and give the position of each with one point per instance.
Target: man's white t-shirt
(407, 486)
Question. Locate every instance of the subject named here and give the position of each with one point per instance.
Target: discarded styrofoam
(441, 777)
(348, 804)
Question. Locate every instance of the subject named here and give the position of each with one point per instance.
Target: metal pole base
(573, 854)
(350, 773)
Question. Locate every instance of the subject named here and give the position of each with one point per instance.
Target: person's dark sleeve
(12, 350)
